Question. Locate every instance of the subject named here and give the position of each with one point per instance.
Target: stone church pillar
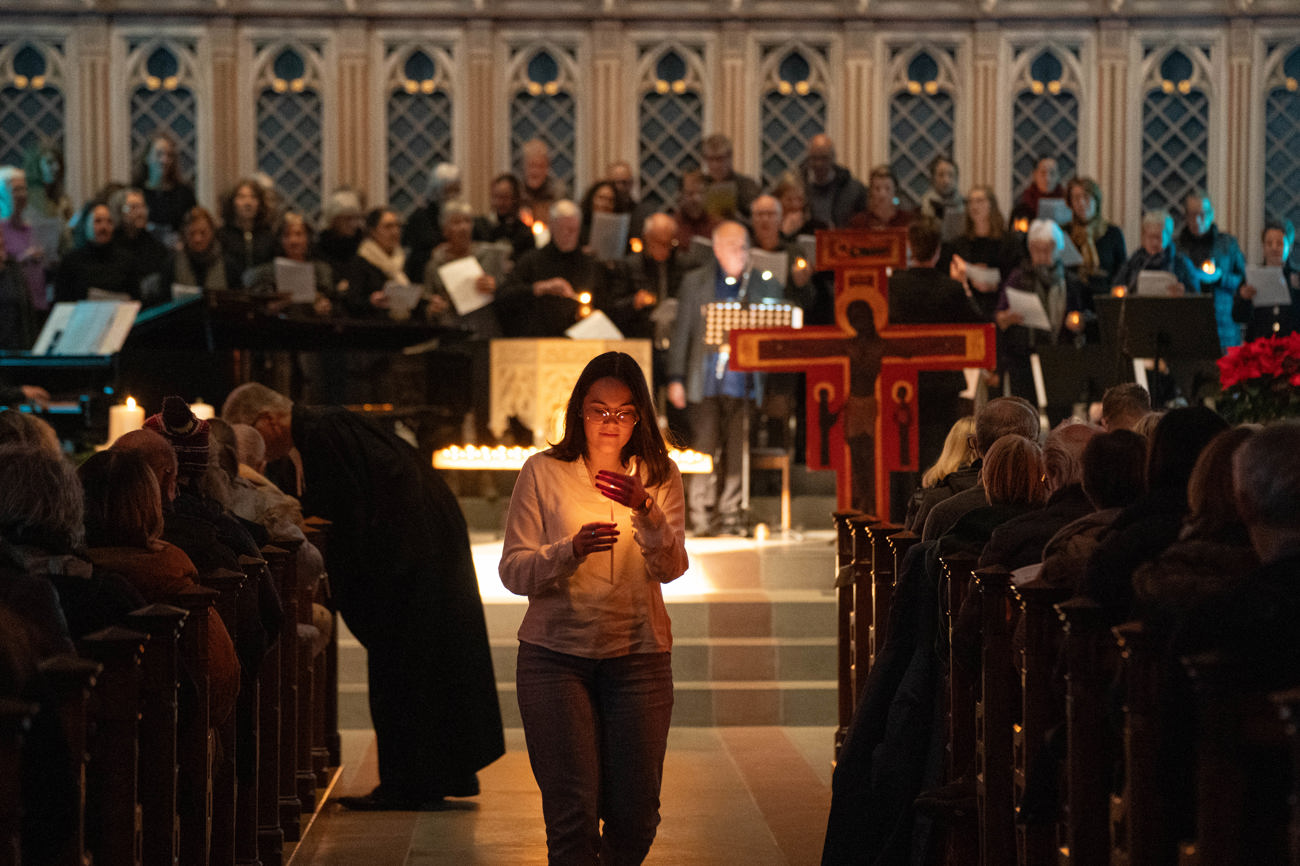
(854, 149)
(608, 100)
(223, 120)
(475, 108)
(352, 139)
(90, 101)
(1111, 122)
(1234, 212)
(983, 146)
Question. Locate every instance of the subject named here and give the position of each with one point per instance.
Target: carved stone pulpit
(533, 378)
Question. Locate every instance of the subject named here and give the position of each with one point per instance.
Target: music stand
(1180, 331)
(1075, 374)
(720, 319)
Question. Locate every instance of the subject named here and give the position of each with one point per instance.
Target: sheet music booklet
(86, 328)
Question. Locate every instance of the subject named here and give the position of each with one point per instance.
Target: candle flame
(1208, 266)
(538, 227)
(801, 263)
(584, 298)
(635, 244)
(130, 402)
(1119, 291)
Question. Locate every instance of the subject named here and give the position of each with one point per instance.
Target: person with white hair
(19, 237)
(1061, 294)
(540, 188)
(341, 230)
(423, 229)
(543, 295)
(1158, 253)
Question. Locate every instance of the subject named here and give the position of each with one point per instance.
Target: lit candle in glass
(124, 418)
(541, 234)
(1119, 291)
(1074, 320)
(203, 411)
(635, 245)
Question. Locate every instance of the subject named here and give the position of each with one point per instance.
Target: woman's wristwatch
(644, 508)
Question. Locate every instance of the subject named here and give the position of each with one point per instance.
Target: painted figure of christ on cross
(861, 372)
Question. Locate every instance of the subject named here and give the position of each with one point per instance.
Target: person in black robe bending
(403, 579)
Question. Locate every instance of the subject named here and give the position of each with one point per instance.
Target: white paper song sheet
(1156, 284)
(1270, 286)
(458, 277)
(608, 237)
(986, 279)
(597, 326)
(402, 297)
(296, 279)
(1030, 308)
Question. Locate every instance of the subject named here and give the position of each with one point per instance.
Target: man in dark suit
(719, 399)
(923, 295)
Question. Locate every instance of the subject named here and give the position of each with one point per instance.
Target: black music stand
(1181, 331)
(720, 319)
(1075, 374)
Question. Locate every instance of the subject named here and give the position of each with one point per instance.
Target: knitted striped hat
(187, 434)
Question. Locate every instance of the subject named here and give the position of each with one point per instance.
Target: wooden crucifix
(861, 372)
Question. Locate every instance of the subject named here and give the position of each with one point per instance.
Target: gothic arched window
(1282, 136)
(921, 118)
(32, 108)
(289, 138)
(162, 87)
(1175, 129)
(543, 107)
(670, 121)
(419, 121)
(1044, 115)
(794, 106)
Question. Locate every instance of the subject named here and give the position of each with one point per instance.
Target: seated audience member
(1020, 541)
(956, 469)
(200, 261)
(943, 200)
(40, 532)
(1060, 294)
(883, 208)
(169, 196)
(134, 241)
(1146, 425)
(1281, 319)
(502, 222)
(540, 298)
(1001, 416)
(380, 263)
(693, 220)
(540, 189)
(988, 243)
(22, 428)
(1044, 183)
(1158, 253)
(1213, 553)
(124, 523)
(342, 230)
(1122, 406)
(731, 191)
(1257, 622)
(1221, 264)
(834, 194)
(293, 241)
(1101, 243)
(1152, 523)
(96, 264)
(1013, 480)
(423, 229)
(1113, 477)
(246, 236)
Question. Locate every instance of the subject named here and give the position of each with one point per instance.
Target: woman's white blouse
(607, 604)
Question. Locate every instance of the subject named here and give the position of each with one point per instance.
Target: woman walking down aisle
(594, 677)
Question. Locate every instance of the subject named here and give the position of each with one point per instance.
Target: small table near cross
(861, 394)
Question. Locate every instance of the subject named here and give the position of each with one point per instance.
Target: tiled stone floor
(756, 796)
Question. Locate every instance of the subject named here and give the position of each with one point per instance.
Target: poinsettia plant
(1261, 380)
